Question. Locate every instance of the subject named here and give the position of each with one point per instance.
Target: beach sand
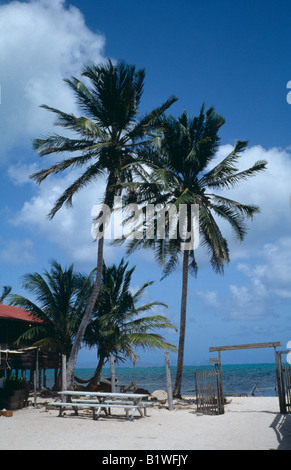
(249, 423)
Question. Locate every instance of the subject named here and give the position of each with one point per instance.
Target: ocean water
(236, 379)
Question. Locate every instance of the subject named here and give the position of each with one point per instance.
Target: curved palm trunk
(58, 383)
(179, 374)
(85, 320)
(94, 380)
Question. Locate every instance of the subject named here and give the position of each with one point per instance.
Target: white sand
(249, 423)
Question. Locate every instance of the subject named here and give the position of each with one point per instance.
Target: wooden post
(56, 375)
(220, 396)
(35, 375)
(169, 381)
(221, 383)
(112, 369)
(64, 372)
(281, 386)
(36, 368)
(39, 378)
(35, 386)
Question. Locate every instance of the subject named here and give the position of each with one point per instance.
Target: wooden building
(14, 321)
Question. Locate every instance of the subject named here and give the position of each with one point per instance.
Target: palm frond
(234, 218)
(233, 179)
(57, 143)
(213, 240)
(82, 125)
(92, 173)
(29, 306)
(5, 292)
(150, 121)
(248, 210)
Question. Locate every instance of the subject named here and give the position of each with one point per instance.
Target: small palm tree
(60, 295)
(117, 327)
(5, 292)
(108, 139)
(180, 159)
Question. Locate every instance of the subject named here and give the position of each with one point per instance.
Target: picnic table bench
(98, 401)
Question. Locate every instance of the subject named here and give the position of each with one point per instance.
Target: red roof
(16, 313)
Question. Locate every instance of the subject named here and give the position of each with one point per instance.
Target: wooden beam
(214, 360)
(245, 346)
(10, 351)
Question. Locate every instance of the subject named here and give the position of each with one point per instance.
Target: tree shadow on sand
(282, 427)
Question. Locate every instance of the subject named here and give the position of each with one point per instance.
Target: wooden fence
(283, 372)
(209, 392)
(287, 375)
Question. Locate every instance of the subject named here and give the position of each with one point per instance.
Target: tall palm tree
(59, 298)
(108, 138)
(183, 151)
(117, 327)
(5, 292)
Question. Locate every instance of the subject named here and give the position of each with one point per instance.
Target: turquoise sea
(236, 379)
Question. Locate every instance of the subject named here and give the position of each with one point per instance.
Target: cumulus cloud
(41, 43)
(264, 282)
(71, 227)
(267, 238)
(271, 191)
(271, 274)
(17, 252)
(263, 259)
(209, 298)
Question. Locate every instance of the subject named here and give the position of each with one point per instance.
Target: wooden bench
(95, 405)
(112, 403)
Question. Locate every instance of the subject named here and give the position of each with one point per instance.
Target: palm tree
(60, 295)
(180, 159)
(117, 327)
(5, 292)
(108, 138)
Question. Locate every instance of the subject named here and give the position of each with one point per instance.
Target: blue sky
(233, 55)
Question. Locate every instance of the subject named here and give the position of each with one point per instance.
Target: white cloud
(271, 191)
(20, 173)
(209, 298)
(267, 283)
(41, 43)
(17, 252)
(270, 274)
(70, 229)
(273, 224)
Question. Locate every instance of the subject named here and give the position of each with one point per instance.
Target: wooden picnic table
(97, 401)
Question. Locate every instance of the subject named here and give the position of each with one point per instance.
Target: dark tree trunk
(94, 380)
(85, 320)
(178, 382)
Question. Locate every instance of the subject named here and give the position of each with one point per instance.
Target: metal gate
(283, 373)
(209, 392)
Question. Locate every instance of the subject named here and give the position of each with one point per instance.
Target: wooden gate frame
(274, 345)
